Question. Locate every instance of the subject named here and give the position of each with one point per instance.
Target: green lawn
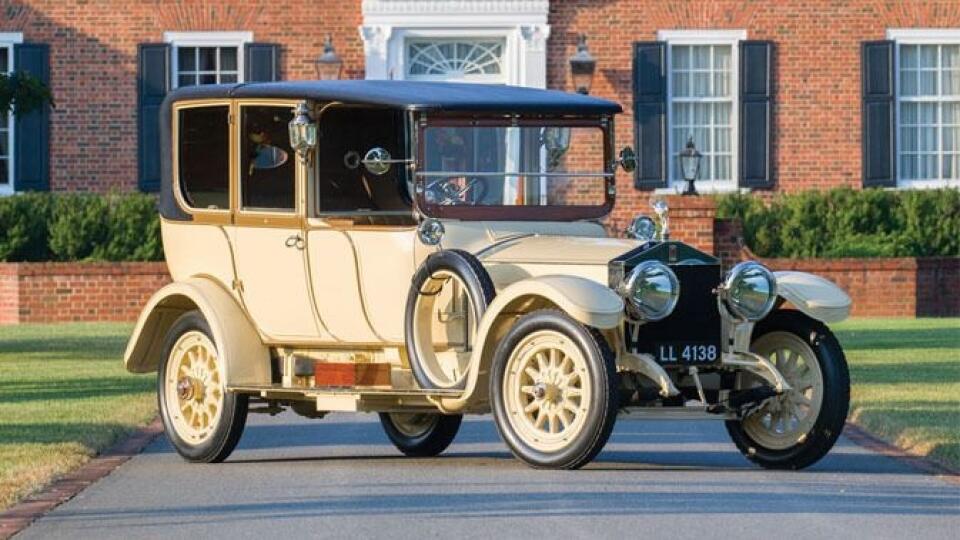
(64, 395)
(906, 382)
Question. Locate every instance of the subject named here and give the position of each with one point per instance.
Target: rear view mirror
(628, 159)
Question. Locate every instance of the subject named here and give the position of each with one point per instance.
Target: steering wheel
(456, 190)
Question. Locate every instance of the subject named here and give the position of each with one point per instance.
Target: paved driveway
(340, 477)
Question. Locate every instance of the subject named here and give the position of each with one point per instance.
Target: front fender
(246, 360)
(813, 295)
(586, 301)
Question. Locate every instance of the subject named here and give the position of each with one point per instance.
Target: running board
(673, 413)
(353, 398)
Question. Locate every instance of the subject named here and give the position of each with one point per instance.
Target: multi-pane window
(455, 59)
(6, 128)
(701, 107)
(929, 115)
(207, 65)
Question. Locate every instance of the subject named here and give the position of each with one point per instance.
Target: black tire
(218, 446)
(432, 441)
(604, 403)
(836, 396)
(479, 287)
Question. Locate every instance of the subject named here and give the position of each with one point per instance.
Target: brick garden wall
(62, 292)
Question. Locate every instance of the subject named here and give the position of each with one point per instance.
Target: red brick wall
(61, 292)
(816, 113)
(93, 48)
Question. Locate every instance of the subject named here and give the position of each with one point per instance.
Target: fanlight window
(454, 58)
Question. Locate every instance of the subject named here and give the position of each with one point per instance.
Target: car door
(268, 232)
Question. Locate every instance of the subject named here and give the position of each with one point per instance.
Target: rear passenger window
(204, 157)
(267, 163)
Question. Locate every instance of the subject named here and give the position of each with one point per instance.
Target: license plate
(686, 353)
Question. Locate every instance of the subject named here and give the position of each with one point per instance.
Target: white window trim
(9, 40)
(206, 39)
(509, 67)
(916, 36)
(705, 37)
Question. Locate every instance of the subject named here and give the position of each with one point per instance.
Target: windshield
(514, 172)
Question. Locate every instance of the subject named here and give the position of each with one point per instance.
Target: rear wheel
(553, 391)
(420, 434)
(796, 429)
(202, 420)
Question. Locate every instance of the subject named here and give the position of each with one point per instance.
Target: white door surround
(521, 25)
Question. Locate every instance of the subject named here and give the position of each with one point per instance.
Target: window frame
(263, 217)
(203, 215)
(206, 39)
(921, 36)
(731, 38)
(10, 40)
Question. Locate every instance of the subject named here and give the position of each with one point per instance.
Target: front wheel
(420, 434)
(553, 391)
(202, 420)
(796, 429)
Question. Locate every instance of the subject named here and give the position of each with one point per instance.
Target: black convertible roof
(410, 95)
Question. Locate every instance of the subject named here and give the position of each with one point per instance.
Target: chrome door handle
(294, 241)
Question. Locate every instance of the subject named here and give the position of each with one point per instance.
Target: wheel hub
(190, 388)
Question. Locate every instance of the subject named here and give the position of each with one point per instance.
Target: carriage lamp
(328, 65)
(749, 291)
(582, 66)
(690, 159)
(303, 130)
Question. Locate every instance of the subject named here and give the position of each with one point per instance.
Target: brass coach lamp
(582, 66)
(303, 131)
(690, 159)
(328, 65)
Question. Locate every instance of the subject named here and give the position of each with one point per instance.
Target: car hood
(554, 250)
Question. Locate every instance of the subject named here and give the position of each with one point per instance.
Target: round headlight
(651, 291)
(750, 291)
(642, 228)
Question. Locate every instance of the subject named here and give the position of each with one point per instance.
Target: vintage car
(429, 250)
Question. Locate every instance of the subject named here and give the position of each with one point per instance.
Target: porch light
(582, 66)
(690, 159)
(303, 130)
(328, 65)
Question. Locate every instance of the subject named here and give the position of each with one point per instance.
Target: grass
(64, 395)
(905, 376)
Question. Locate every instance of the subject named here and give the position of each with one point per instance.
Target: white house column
(375, 50)
(533, 55)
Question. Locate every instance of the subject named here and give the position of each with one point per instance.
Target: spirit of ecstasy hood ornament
(661, 209)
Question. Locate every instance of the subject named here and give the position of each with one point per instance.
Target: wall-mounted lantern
(690, 159)
(582, 66)
(328, 65)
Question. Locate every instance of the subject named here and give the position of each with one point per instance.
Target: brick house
(780, 96)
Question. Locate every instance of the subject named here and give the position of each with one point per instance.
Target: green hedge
(79, 227)
(849, 223)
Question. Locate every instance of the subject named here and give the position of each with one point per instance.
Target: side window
(344, 184)
(267, 163)
(204, 157)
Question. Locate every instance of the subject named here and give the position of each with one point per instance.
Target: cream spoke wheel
(785, 420)
(193, 387)
(547, 390)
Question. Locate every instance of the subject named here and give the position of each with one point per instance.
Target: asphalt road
(340, 477)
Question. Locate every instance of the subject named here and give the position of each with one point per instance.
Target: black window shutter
(650, 113)
(877, 111)
(153, 83)
(32, 131)
(756, 95)
(261, 62)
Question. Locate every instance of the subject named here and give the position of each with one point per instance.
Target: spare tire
(447, 367)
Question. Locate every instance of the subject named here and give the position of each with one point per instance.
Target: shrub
(76, 227)
(849, 223)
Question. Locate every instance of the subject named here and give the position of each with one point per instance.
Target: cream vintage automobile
(429, 250)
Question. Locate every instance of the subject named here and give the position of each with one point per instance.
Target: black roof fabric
(410, 95)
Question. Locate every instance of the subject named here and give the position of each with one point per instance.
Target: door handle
(294, 241)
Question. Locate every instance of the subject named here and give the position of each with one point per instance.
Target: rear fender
(246, 360)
